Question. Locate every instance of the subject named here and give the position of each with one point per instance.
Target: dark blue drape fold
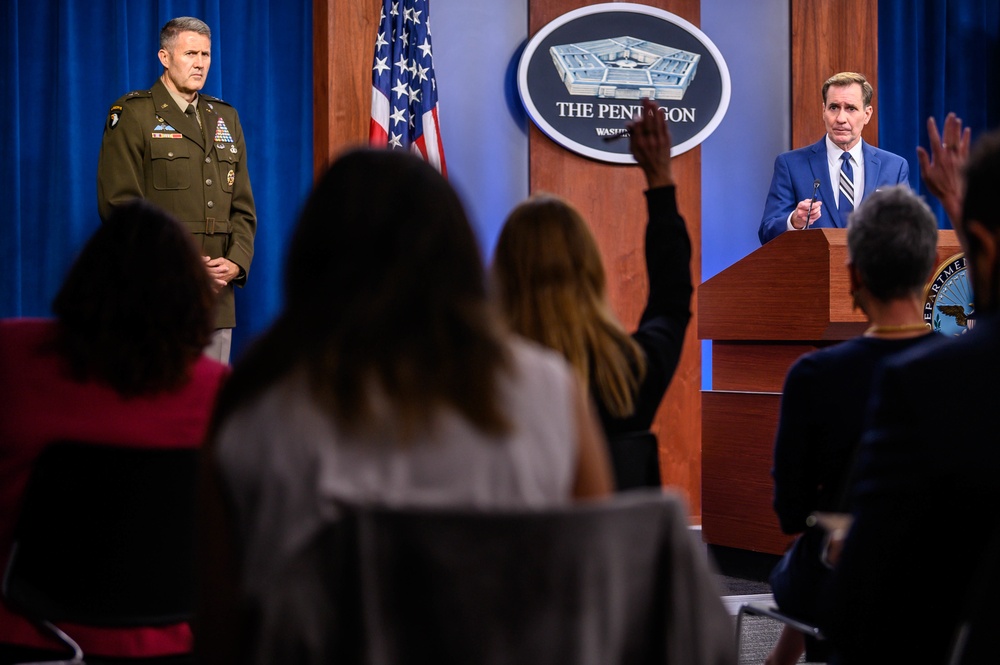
(936, 56)
(66, 61)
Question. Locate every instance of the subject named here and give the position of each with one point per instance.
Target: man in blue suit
(806, 179)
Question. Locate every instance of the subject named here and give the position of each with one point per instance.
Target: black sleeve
(796, 467)
(668, 307)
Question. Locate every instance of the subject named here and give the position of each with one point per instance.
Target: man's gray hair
(892, 242)
(175, 26)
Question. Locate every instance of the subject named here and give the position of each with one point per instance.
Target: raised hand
(649, 141)
(941, 169)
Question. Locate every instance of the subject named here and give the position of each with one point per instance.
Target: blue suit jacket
(797, 170)
(925, 503)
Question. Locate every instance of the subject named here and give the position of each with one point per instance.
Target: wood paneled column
(827, 38)
(610, 197)
(342, 76)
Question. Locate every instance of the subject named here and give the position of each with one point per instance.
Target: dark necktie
(192, 113)
(846, 187)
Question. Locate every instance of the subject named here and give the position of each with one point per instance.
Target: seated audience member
(387, 379)
(552, 288)
(120, 364)
(924, 536)
(891, 246)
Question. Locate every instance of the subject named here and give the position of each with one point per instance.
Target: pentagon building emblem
(582, 76)
(625, 68)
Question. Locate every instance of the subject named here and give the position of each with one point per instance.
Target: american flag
(404, 91)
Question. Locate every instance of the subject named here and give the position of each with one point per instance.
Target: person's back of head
(548, 270)
(385, 290)
(979, 229)
(551, 285)
(892, 243)
(135, 309)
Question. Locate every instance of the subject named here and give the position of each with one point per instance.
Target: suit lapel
(872, 166)
(167, 109)
(820, 169)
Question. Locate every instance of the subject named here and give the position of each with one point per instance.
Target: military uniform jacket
(152, 150)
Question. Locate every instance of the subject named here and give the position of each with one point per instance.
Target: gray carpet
(743, 578)
(758, 636)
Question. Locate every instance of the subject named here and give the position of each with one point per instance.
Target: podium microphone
(809, 212)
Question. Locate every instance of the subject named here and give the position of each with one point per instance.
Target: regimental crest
(948, 304)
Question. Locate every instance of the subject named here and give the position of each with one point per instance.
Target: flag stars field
(404, 38)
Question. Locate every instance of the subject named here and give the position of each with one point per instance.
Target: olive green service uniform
(151, 149)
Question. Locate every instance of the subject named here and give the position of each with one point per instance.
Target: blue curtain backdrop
(936, 56)
(66, 61)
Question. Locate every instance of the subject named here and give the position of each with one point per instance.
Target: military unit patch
(222, 132)
(114, 116)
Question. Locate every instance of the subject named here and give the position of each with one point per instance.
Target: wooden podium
(789, 297)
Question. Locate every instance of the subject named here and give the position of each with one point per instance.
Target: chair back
(106, 537)
(622, 581)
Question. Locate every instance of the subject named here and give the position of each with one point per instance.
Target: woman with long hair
(386, 379)
(553, 289)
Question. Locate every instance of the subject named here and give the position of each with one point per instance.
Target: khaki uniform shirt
(152, 150)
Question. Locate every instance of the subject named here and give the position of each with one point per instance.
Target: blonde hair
(552, 289)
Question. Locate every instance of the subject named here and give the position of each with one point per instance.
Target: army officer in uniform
(184, 151)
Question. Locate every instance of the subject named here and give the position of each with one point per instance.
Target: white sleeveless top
(285, 462)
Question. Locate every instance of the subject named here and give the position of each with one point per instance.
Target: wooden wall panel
(610, 197)
(829, 37)
(343, 43)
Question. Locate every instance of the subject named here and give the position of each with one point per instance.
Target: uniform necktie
(190, 112)
(846, 186)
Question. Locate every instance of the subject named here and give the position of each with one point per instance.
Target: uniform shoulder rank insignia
(222, 132)
(115, 114)
(210, 98)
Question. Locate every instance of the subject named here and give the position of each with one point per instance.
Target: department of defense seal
(948, 305)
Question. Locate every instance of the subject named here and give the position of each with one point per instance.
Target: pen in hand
(614, 137)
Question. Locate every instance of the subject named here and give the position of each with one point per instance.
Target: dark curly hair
(135, 310)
